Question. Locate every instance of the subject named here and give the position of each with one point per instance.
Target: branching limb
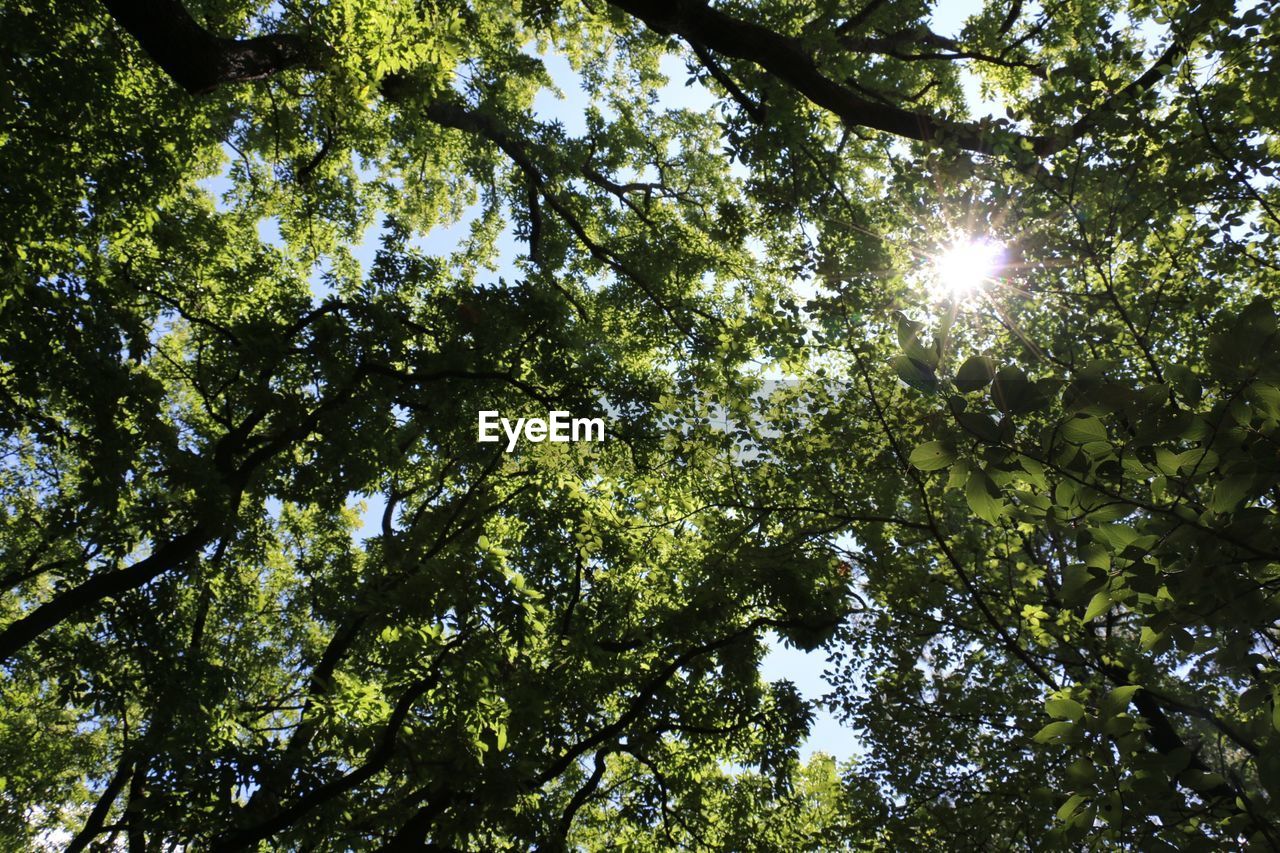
(198, 60)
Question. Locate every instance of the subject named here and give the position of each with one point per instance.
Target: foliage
(1033, 529)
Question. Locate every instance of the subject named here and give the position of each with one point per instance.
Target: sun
(965, 267)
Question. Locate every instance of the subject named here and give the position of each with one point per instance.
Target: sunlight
(965, 267)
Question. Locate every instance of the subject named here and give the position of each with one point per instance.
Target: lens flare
(965, 267)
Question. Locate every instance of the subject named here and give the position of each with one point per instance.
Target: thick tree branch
(705, 28)
(195, 58)
(181, 549)
(1015, 10)
(1160, 69)
(200, 61)
(787, 60)
(1164, 738)
(583, 794)
(93, 826)
(172, 554)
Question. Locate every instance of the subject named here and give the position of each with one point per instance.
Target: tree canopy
(258, 269)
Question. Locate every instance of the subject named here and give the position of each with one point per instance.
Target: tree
(1032, 526)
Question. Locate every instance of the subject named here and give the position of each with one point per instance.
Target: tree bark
(102, 585)
(195, 58)
(785, 59)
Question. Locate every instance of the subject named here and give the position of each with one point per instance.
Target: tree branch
(786, 59)
(198, 60)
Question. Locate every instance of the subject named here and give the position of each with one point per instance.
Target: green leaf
(932, 456)
(1167, 460)
(975, 374)
(1074, 802)
(1230, 491)
(1098, 605)
(979, 425)
(1117, 537)
(1064, 709)
(916, 373)
(1084, 428)
(959, 475)
(1259, 316)
(1055, 732)
(1118, 699)
(908, 331)
(1184, 382)
(1082, 771)
(1010, 389)
(1101, 513)
(909, 339)
(980, 493)
(1077, 580)
(1064, 494)
(1035, 472)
